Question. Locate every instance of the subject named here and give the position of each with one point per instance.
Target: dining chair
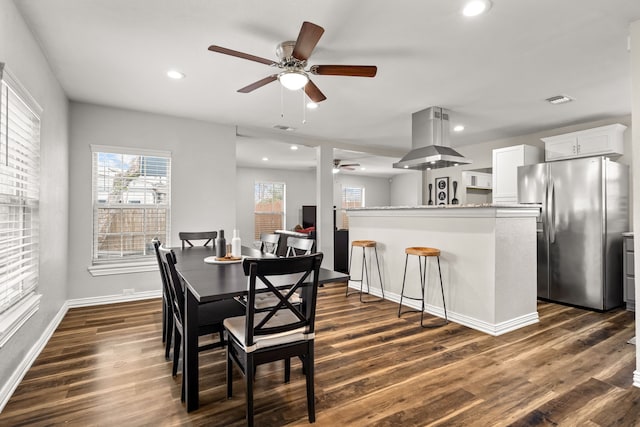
(187, 236)
(210, 315)
(283, 331)
(269, 243)
(167, 309)
(297, 246)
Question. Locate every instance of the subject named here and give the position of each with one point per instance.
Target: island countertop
(488, 259)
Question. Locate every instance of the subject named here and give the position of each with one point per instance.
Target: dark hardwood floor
(105, 366)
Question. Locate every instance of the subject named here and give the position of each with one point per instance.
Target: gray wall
(376, 190)
(21, 54)
(406, 189)
(202, 196)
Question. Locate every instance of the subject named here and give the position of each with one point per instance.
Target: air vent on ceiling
(559, 99)
(287, 128)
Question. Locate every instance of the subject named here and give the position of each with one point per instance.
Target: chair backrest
(168, 258)
(265, 276)
(187, 236)
(163, 272)
(269, 243)
(297, 246)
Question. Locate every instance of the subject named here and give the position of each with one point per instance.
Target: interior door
(532, 188)
(576, 232)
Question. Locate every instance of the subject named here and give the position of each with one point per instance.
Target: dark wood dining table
(206, 282)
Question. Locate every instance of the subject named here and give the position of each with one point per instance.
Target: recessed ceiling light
(406, 167)
(312, 105)
(363, 168)
(176, 75)
(458, 128)
(294, 147)
(559, 99)
(265, 159)
(476, 7)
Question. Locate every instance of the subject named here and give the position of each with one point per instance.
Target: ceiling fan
(293, 56)
(337, 165)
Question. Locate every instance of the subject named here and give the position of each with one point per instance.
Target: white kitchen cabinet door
(603, 140)
(505, 170)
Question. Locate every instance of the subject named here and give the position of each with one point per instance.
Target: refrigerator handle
(551, 209)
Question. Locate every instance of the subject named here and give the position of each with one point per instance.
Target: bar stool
(422, 253)
(364, 271)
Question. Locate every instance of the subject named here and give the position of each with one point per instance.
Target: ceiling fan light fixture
(293, 79)
(312, 105)
(476, 7)
(335, 170)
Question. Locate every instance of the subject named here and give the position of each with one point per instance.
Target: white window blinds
(352, 197)
(19, 192)
(269, 207)
(131, 203)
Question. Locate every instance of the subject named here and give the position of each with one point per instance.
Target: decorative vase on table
(221, 245)
(236, 245)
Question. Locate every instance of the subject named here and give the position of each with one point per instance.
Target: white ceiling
(493, 72)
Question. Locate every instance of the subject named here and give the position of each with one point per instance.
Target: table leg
(191, 352)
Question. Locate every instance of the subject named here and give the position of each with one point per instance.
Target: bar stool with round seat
(364, 244)
(423, 253)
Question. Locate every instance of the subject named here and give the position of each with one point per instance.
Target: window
(352, 197)
(131, 205)
(269, 210)
(19, 204)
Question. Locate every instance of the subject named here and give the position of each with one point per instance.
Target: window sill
(12, 319)
(123, 268)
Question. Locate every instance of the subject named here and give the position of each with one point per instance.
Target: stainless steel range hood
(430, 142)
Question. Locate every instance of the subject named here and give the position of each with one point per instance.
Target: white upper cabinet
(505, 170)
(600, 141)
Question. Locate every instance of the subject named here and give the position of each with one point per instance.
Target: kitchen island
(488, 260)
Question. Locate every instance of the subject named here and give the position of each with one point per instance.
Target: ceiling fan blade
(313, 92)
(224, 50)
(307, 40)
(258, 84)
(349, 165)
(345, 70)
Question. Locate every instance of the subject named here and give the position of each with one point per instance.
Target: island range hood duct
(430, 142)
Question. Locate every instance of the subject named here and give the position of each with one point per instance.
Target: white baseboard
(494, 329)
(112, 299)
(10, 386)
(636, 378)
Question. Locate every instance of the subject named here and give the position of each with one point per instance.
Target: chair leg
(406, 259)
(423, 281)
(167, 344)
(444, 305)
(177, 339)
(164, 319)
(379, 274)
(229, 373)
(249, 378)
(346, 294)
(311, 399)
(287, 369)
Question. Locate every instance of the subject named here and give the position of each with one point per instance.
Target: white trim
(22, 92)
(16, 316)
(123, 268)
(636, 378)
(494, 329)
(14, 380)
(113, 299)
(128, 150)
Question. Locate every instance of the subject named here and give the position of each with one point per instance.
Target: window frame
(18, 310)
(343, 208)
(135, 263)
(256, 213)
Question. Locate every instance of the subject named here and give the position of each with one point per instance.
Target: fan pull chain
(281, 102)
(304, 110)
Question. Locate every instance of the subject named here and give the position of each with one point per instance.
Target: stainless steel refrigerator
(585, 207)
